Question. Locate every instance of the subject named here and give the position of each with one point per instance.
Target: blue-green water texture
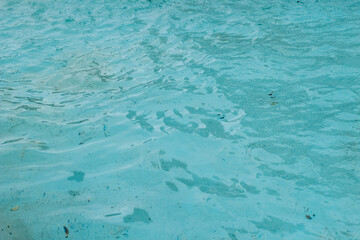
(180, 119)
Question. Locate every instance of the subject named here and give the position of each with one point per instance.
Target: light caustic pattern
(180, 119)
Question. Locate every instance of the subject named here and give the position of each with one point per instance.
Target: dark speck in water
(74, 193)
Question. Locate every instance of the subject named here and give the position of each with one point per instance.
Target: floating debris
(272, 95)
(66, 232)
(309, 215)
(15, 208)
(273, 103)
(112, 215)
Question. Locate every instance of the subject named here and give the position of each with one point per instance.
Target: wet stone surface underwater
(169, 119)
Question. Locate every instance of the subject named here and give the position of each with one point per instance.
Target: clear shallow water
(180, 119)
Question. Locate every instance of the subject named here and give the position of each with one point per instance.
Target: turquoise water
(180, 119)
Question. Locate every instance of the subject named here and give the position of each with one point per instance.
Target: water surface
(180, 119)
